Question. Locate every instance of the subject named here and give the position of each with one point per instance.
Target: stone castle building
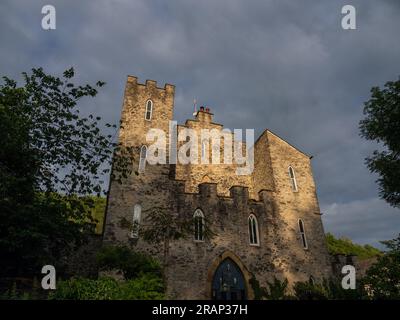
(266, 224)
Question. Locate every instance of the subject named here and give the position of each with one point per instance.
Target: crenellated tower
(145, 107)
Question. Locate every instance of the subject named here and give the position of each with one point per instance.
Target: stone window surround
(253, 219)
(148, 109)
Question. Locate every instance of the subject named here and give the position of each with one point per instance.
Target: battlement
(265, 194)
(239, 192)
(209, 190)
(150, 84)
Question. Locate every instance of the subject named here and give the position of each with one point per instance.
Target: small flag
(195, 107)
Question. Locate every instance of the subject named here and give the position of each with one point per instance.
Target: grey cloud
(364, 221)
(284, 65)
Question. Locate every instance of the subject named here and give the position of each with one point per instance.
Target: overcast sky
(283, 65)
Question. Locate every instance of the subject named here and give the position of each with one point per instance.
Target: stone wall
(275, 256)
(223, 174)
(153, 187)
(293, 205)
(82, 262)
(361, 266)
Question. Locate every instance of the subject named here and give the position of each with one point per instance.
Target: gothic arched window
(253, 230)
(137, 212)
(293, 181)
(142, 159)
(303, 234)
(149, 110)
(198, 218)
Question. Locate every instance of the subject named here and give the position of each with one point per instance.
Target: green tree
(383, 278)
(145, 287)
(382, 124)
(347, 247)
(161, 226)
(310, 291)
(51, 159)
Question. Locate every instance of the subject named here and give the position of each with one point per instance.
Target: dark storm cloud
(365, 221)
(283, 65)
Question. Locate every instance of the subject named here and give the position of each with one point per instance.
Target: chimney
(204, 115)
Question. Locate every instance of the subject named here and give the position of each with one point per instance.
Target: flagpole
(195, 107)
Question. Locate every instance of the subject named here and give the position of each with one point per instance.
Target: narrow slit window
(149, 110)
(198, 218)
(303, 234)
(293, 181)
(142, 159)
(137, 212)
(253, 230)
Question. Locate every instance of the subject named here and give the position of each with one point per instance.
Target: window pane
(142, 160)
(255, 232)
(201, 229)
(292, 179)
(303, 237)
(198, 220)
(136, 221)
(143, 152)
(301, 227)
(149, 109)
(196, 229)
(291, 172)
(251, 232)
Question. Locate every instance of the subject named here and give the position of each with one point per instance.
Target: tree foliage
(97, 215)
(310, 291)
(145, 287)
(131, 263)
(275, 290)
(328, 289)
(347, 247)
(51, 160)
(382, 124)
(162, 225)
(383, 277)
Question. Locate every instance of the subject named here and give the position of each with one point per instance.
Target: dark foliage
(132, 264)
(51, 160)
(382, 124)
(383, 278)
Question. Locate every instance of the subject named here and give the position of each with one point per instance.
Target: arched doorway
(228, 282)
